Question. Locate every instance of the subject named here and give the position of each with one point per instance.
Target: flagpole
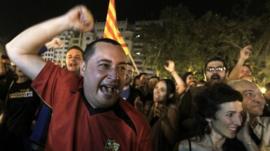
(111, 31)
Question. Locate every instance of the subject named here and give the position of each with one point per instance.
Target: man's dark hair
(90, 48)
(154, 77)
(141, 74)
(215, 58)
(75, 47)
(185, 75)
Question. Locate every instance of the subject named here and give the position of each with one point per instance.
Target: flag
(111, 31)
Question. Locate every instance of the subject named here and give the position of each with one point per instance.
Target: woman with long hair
(163, 115)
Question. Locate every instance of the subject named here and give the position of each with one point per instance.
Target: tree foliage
(189, 40)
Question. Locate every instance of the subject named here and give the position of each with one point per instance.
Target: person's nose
(113, 74)
(72, 59)
(259, 99)
(238, 120)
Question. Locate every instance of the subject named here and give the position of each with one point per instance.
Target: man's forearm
(180, 85)
(23, 49)
(234, 75)
(33, 38)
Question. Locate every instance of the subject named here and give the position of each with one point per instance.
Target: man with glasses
(256, 132)
(87, 111)
(215, 70)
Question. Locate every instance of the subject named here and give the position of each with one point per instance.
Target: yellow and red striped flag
(111, 31)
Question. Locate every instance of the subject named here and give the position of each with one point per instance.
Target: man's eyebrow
(248, 91)
(104, 60)
(109, 61)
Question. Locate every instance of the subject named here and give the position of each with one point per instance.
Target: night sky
(17, 15)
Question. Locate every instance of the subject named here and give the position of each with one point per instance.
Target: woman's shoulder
(184, 145)
(195, 143)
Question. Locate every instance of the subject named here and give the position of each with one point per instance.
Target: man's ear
(204, 76)
(82, 68)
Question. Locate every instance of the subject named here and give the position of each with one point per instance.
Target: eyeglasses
(216, 69)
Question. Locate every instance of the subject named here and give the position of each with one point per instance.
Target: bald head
(241, 85)
(253, 100)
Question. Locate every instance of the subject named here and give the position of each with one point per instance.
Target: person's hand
(245, 52)
(244, 134)
(138, 104)
(55, 43)
(80, 18)
(169, 66)
(160, 110)
(244, 130)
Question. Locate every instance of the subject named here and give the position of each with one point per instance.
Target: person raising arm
(25, 54)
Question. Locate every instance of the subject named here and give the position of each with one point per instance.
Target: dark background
(17, 15)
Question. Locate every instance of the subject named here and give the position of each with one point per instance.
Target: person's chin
(259, 113)
(111, 98)
(231, 136)
(106, 103)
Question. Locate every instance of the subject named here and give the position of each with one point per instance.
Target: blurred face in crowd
(160, 93)
(190, 80)
(215, 71)
(253, 99)
(21, 77)
(152, 83)
(143, 80)
(128, 74)
(74, 58)
(136, 82)
(18, 72)
(103, 75)
(228, 119)
(245, 73)
(4, 59)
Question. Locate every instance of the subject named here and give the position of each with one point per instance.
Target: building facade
(131, 34)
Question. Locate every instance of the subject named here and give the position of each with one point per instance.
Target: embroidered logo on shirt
(112, 145)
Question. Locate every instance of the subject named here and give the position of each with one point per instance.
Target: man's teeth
(109, 89)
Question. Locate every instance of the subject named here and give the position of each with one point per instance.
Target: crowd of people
(96, 102)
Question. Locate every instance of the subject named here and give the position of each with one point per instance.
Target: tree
(189, 40)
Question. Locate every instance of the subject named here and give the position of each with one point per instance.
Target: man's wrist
(173, 72)
(241, 61)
